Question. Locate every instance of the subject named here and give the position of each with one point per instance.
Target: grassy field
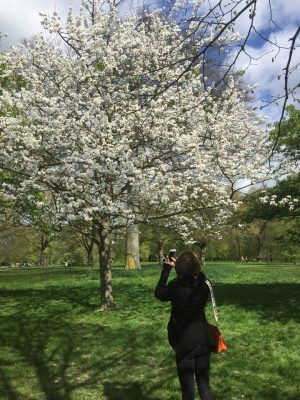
(54, 346)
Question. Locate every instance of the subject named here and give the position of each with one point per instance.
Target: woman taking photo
(188, 331)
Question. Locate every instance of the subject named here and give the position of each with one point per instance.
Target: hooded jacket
(188, 326)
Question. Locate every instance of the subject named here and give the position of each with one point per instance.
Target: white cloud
(20, 19)
(265, 72)
(283, 12)
(278, 25)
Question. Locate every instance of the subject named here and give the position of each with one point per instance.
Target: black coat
(187, 327)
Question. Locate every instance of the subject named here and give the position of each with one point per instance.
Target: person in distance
(188, 331)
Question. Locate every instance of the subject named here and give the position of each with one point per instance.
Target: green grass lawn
(54, 346)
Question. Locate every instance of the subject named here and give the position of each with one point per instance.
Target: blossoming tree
(89, 128)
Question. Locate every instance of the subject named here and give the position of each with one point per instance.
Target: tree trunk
(105, 242)
(203, 254)
(89, 245)
(43, 252)
(160, 251)
(217, 252)
(90, 258)
(259, 241)
(238, 249)
(202, 243)
(43, 258)
(270, 251)
(132, 248)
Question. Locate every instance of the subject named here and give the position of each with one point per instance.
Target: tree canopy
(114, 141)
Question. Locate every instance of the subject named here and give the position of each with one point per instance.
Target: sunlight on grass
(54, 345)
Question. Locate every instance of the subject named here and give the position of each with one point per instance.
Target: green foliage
(10, 81)
(100, 65)
(171, 103)
(55, 346)
(157, 241)
(67, 245)
(254, 208)
(279, 240)
(288, 140)
(23, 244)
(289, 240)
(33, 208)
(17, 245)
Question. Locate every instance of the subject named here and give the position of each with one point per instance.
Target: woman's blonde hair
(187, 263)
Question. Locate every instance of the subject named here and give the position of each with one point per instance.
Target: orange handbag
(214, 329)
(221, 346)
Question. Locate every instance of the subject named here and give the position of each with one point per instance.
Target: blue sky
(20, 19)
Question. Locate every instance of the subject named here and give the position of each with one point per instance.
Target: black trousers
(195, 365)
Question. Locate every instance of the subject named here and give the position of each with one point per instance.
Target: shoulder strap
(216, 313)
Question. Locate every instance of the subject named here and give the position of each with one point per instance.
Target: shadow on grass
(47, 353)
(6, 387)
(126, 391)
(273, 301)
(46, 348)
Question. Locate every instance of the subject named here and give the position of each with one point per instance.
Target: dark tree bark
(160, 251)
(201, 244)
(260, 245)
(238, 249)
(105, 244)
(260, 238)
(88, 243)
(44, 244)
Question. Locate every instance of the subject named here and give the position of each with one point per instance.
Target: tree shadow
(53, 354)
(273, 301)
(42, 335)
(43, 330)
(7, 391)
(124, 391)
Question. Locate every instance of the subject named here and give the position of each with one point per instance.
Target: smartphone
(172, 253)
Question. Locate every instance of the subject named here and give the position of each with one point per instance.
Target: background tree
(282, 199)
(89, 242)
(37, 210)
(288, 142)
(17, 246)
(132, 247)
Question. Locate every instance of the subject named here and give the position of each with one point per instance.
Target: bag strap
(216, 313)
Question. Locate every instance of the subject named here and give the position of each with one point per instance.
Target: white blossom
(91, 128)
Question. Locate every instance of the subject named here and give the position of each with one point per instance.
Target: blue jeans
(195, 365)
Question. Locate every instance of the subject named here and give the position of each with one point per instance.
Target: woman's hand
(169, 261)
